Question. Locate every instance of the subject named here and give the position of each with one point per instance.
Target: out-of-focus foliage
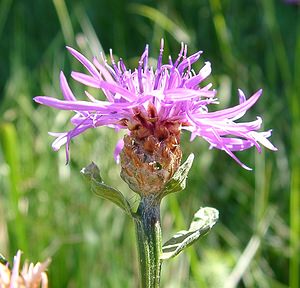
(46, 207)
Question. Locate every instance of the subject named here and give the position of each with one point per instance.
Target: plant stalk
(148, 230)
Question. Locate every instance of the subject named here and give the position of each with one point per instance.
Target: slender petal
(85, 62)
(64, 86)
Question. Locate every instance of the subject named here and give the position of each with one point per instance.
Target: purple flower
(168, 96)
(296, 2)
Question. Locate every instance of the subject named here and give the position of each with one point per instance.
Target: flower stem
(149, 241)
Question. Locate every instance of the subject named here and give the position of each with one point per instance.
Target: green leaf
(178, 181)
(204, 219)
(92, 174)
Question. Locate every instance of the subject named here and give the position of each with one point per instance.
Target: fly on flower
(154, 104)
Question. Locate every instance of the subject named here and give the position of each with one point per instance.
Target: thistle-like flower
(154, 105)
(30, 276)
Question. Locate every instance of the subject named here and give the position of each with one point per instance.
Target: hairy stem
(149, 240)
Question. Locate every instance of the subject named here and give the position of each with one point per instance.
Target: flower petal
(233, 111)
(261, 137)
(204, 73)
(64, 86)
(118, 150)
(85, 62)
(86, 79)
(183, 94)
(72, 105)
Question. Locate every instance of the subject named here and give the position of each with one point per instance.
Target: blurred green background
(47, 209)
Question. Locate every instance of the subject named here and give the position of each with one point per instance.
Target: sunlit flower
(155, 104)
(29, 276)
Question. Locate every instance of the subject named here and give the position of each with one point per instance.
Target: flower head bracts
(147, 99)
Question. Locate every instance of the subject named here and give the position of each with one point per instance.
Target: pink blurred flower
(28, 275)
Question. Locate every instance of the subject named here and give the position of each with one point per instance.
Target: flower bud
(150, 159)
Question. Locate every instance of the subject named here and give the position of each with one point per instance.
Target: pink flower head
(171, 93)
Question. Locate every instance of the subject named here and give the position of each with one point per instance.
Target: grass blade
(9, 143)
(65, 21)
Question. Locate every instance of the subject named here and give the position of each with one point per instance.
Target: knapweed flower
(30, 275)
(154, 105)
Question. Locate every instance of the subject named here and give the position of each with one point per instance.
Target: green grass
(47, 209)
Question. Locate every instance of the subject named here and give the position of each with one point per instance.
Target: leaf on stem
(92, 174)
(204, 219)
(178, 181)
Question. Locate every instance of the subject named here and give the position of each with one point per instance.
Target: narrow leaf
(92, 174)
(204, 219)
(178, 181)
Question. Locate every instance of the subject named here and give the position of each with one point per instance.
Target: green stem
(149, 240)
